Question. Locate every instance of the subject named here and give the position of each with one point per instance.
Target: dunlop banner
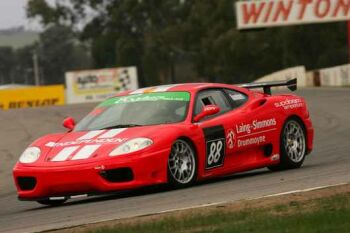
(32, 97)
(97, 85)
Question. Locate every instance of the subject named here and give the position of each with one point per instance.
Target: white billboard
(96, 85)
(297, 72)
(335, 76)
(270, 13)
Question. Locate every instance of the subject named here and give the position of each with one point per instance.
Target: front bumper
(310, 132)
(146, 169)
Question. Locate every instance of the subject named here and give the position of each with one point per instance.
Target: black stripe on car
(215, 146)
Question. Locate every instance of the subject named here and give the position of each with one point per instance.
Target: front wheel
(182, 164)
(293, 145)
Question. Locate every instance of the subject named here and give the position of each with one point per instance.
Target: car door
(251, 131)
(235, 138)
(214, 128)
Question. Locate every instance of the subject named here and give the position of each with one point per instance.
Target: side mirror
(69, 123)
(207, 110)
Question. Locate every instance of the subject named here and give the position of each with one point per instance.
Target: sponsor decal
(251, 141)
(237, 96)
(255, 125)
(230, 139)
(93, 137)
(290, 104)
(246, 131)
(78, 150)
(149, 97)
(161, 88)
(86, 141)
(215, 146)
(275, 157)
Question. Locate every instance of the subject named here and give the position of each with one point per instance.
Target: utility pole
(348, 26)
(36, 69)
(172, 68)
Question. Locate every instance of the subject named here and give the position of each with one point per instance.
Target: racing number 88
(214, 154)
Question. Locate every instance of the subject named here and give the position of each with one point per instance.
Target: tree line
(173, 41)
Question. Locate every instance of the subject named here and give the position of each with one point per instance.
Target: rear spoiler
(291, 84)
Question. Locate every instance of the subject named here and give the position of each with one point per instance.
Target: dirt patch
(299, 200)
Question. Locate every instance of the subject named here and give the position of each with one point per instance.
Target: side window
(212, 96)
(237, 98)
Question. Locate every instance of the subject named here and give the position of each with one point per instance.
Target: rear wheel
(52, 202)
(293, 145)
(182, 164)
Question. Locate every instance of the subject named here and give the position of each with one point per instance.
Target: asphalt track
(328, 164)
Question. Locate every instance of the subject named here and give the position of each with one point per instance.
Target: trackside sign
(270, 13)
(32, 97)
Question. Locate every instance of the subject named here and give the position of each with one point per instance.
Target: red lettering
(303, 4)
(343, 5)
(268, 13)
(283, 10)
(251, 12)
(319, 12)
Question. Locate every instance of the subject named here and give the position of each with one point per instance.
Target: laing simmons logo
(230, 139)
(255, 125)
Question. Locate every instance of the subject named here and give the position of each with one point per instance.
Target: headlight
(30, 155)
(131, 146)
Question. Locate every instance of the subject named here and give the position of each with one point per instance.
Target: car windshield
(137, 110)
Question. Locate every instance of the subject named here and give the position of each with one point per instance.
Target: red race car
(175, 134)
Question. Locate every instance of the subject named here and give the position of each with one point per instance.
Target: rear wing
(291, 84)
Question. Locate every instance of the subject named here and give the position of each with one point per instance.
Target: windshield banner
(160, 96)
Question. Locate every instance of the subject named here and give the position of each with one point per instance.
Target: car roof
(188, 87)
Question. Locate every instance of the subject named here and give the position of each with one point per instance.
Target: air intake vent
(26, 183)
(118, 175)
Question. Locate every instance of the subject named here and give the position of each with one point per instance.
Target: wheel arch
(196, 151)
(190, 141)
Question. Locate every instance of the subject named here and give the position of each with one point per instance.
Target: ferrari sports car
(176, 134)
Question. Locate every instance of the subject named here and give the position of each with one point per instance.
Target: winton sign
(270, 13)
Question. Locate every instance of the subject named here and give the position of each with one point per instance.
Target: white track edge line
(298, 191)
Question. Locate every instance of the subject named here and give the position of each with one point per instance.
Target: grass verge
(327, 214)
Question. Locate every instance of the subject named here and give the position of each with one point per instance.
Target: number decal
(215, 140)
(214, 154)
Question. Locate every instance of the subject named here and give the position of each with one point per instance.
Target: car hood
(88, 146)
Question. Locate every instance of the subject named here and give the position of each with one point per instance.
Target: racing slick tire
(49, 202)
(292, 145)
(182, 164)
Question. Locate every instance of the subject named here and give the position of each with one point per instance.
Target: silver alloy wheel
(294, 141)
(182, 164)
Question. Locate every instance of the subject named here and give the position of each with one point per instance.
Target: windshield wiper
(122, 126)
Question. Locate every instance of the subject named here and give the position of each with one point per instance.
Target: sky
(13, 13)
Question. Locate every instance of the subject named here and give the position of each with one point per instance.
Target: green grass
(319, 215)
